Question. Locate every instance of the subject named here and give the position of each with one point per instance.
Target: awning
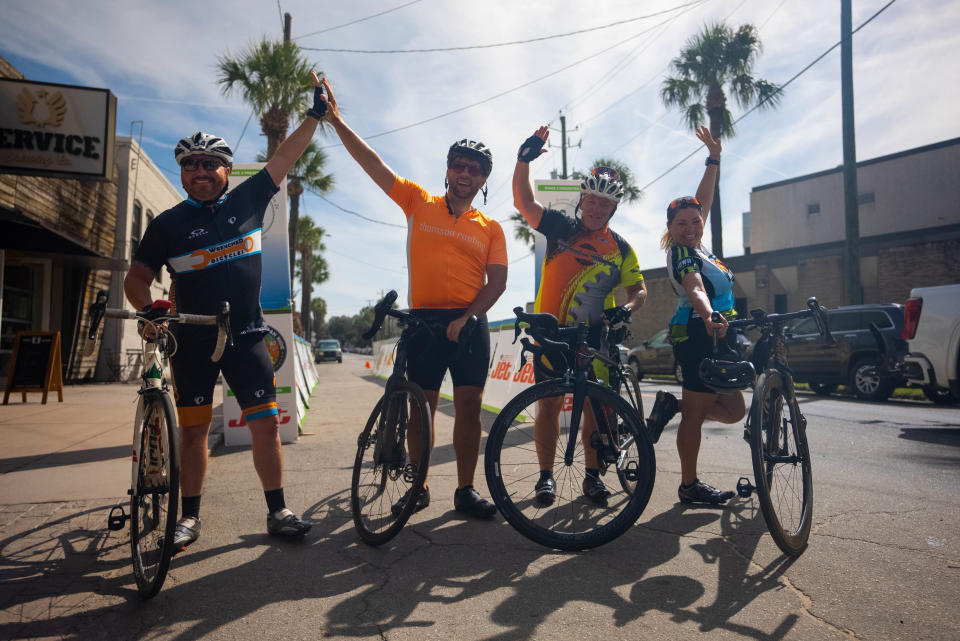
(21, 234)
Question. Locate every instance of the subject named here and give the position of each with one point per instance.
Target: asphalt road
(883, 560)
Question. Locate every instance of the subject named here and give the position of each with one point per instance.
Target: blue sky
(159, 60)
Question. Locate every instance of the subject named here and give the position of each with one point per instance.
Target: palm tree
(318, 307)
(715, 58)
(312, 266)
(274, 79)
(522, 230)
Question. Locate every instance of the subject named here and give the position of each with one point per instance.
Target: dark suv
(848, 362)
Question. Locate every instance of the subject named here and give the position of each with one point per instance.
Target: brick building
(910, 237)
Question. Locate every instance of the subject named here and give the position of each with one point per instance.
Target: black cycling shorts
(246, 366)
(430, 356)
(698, 346)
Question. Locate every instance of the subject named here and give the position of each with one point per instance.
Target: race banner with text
(275, 298)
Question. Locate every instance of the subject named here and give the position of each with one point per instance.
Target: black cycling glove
(319, 108)
(530, 149)
(617, 315)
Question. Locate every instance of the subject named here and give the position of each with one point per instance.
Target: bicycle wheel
(781, 464)
(383, 471)
(572, 522)
(154, 501)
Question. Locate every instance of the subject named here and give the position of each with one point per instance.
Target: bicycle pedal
(745, 488)
(631, 472)
(115, 521)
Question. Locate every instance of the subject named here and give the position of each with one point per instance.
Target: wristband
(711, 161)
(530, 149)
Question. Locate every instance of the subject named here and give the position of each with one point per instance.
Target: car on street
(328, 349)
(654, 356)
(853, 358)
(933, 332)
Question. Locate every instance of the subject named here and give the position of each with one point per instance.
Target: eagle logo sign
(43, 109)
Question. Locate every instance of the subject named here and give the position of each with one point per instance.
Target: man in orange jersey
(457, 260)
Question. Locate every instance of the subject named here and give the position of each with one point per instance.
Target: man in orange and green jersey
(458, 268)
(585, 261)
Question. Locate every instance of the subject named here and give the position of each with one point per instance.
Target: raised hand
(712, 144)
(532, 147)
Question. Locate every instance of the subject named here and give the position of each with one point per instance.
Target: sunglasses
(606, 172)
(682, 203)
(209, 164)
(459, 167)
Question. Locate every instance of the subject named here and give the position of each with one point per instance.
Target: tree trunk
(273, 124)
(306, 285)
(294, 190)
(716, 106)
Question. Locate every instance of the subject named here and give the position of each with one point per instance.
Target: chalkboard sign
(35, 365)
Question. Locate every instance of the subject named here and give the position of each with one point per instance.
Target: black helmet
(474, 150)
(724, 376)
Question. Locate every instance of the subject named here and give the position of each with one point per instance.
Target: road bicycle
(155, 476)
(777, 430)
(393, 450)
(617, 435)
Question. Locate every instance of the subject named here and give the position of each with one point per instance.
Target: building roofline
(864, 163)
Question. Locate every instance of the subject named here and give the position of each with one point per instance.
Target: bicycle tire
(572, 522)
(631, 385)
(376, 487)
(155, 499)
(781, 465)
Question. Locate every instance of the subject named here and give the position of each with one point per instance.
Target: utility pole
(851, 212)
(564, 145)
(286, 27)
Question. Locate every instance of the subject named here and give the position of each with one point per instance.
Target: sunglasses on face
(606, 172)
(209, 164)
(458, 167)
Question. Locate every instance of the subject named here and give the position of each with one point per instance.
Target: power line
(499, 95)
(504, 44)
(347, 24)
(517, 260)
(240, 139)
(622, 64)
(359, 215)
(782, 87)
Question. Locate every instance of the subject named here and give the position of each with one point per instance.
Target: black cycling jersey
(213, 252)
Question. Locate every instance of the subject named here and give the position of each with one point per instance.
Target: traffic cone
(367, 365)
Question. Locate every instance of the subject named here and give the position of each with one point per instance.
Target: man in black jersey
(211, 244)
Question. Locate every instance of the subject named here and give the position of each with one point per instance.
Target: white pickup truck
(932, 327)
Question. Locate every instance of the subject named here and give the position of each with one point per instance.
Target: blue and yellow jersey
(717, 281)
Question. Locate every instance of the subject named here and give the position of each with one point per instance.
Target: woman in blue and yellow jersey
(703, 285)
(585, 261)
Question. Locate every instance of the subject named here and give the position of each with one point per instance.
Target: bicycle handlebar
(759, 318)
(385, 308)
(99, 311)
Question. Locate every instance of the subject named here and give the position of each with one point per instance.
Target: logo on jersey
(233, 249)
(197, 233)
(276, 346)
(232, 220)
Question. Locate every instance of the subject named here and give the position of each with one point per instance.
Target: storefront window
(21, 306)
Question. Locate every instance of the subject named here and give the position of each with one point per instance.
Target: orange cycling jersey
(447, 257)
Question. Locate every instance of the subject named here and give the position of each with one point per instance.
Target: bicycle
(778, 442)
(572, 522)
(385, 470)
(155, 476)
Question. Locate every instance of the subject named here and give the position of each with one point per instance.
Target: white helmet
(603, 182)
(203, 144)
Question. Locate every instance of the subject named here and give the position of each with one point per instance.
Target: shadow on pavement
(58, 459)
